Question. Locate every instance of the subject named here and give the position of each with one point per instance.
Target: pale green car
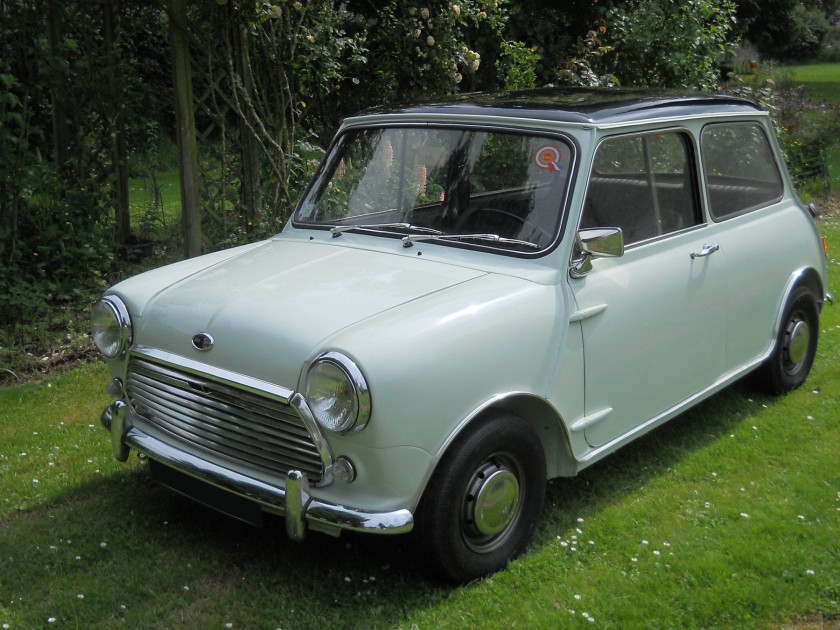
(472, 297)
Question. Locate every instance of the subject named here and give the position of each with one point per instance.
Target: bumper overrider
(299, 508)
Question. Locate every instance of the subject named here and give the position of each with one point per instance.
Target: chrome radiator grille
(237, 424)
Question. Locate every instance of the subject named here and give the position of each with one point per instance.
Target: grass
(728, 516)
(822, 81)
(146, 217)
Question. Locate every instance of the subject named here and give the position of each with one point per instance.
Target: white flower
(745, 515)
(424, 13)
(809, 572)
(430, 40)
(456, 10)
(458, 77)
(80, 596)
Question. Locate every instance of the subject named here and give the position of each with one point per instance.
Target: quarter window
(644, 185)
(741, 171)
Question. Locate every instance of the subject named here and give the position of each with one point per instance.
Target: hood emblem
(202, 341)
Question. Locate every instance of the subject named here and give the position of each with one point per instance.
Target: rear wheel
(482, 503)
(796, 346)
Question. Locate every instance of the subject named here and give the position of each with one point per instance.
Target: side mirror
(596, 243)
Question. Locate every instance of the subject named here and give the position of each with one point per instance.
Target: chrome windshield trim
(315, 511)
(248, 383)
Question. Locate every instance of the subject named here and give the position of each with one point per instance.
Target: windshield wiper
(409, 240)
(338, 230)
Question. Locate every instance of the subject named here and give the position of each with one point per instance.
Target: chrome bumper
(299, 508)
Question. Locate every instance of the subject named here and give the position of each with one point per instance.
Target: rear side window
(741, 170)
(643, 184)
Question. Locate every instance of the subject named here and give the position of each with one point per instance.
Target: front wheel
(796, 345)
(482, 504)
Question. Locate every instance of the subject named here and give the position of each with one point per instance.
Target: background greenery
(86, 101)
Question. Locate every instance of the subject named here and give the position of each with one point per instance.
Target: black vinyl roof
(579, 105)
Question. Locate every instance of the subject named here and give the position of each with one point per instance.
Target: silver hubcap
(798, 339)
(496, 502)
(491, 504)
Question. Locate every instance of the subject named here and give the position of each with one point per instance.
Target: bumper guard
(299, 508)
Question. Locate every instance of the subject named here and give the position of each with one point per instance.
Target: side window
(643, 184)
(741, 171)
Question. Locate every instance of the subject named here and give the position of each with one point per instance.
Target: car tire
(482, 503)
(796, 345)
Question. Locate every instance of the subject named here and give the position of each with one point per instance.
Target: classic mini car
(473, 296)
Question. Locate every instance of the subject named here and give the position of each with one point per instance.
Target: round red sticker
(548, 158)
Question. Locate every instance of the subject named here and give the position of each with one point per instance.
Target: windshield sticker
(548, 158)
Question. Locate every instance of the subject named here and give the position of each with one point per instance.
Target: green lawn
(822, 81)
(727, 517)
(147, 218)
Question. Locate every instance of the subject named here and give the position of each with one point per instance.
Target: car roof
(577, 105)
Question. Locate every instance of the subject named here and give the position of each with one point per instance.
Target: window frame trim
(693, 163)
(706, 184)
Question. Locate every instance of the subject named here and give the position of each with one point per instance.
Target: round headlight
(337, 393)
(110, 326)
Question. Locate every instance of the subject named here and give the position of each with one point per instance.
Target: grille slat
(215, 436)
(240, 425)
(194, 403)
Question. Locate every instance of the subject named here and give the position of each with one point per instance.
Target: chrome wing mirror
(596, 243)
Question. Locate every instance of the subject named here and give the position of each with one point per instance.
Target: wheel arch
(807, 277)
(538, 413)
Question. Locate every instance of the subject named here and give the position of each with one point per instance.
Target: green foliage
(806, 130)
(809, 27)
(516, 66)
(668, 44)
(426, 48)
(786, 30)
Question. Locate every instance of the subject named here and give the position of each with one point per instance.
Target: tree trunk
(251, 192)
(185, 123)
(61, 131)
(116, 121)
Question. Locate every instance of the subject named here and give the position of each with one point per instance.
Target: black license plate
(220, 500)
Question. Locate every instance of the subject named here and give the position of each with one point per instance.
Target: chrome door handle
(706, 251)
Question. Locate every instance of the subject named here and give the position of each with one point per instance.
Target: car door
(654, 320)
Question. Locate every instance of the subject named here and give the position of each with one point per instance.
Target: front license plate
(225, 502)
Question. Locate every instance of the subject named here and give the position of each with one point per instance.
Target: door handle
(706, 251)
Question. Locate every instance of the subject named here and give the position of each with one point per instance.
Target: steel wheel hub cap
(492, 499)
(799, 337)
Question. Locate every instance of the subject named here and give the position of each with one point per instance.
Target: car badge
(202, 341)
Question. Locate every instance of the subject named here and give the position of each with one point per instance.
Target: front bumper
(294, 500)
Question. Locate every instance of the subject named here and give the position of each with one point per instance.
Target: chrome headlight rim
(355, 379)
(119, 313)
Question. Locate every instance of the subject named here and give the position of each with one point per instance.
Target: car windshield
(487, 188)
